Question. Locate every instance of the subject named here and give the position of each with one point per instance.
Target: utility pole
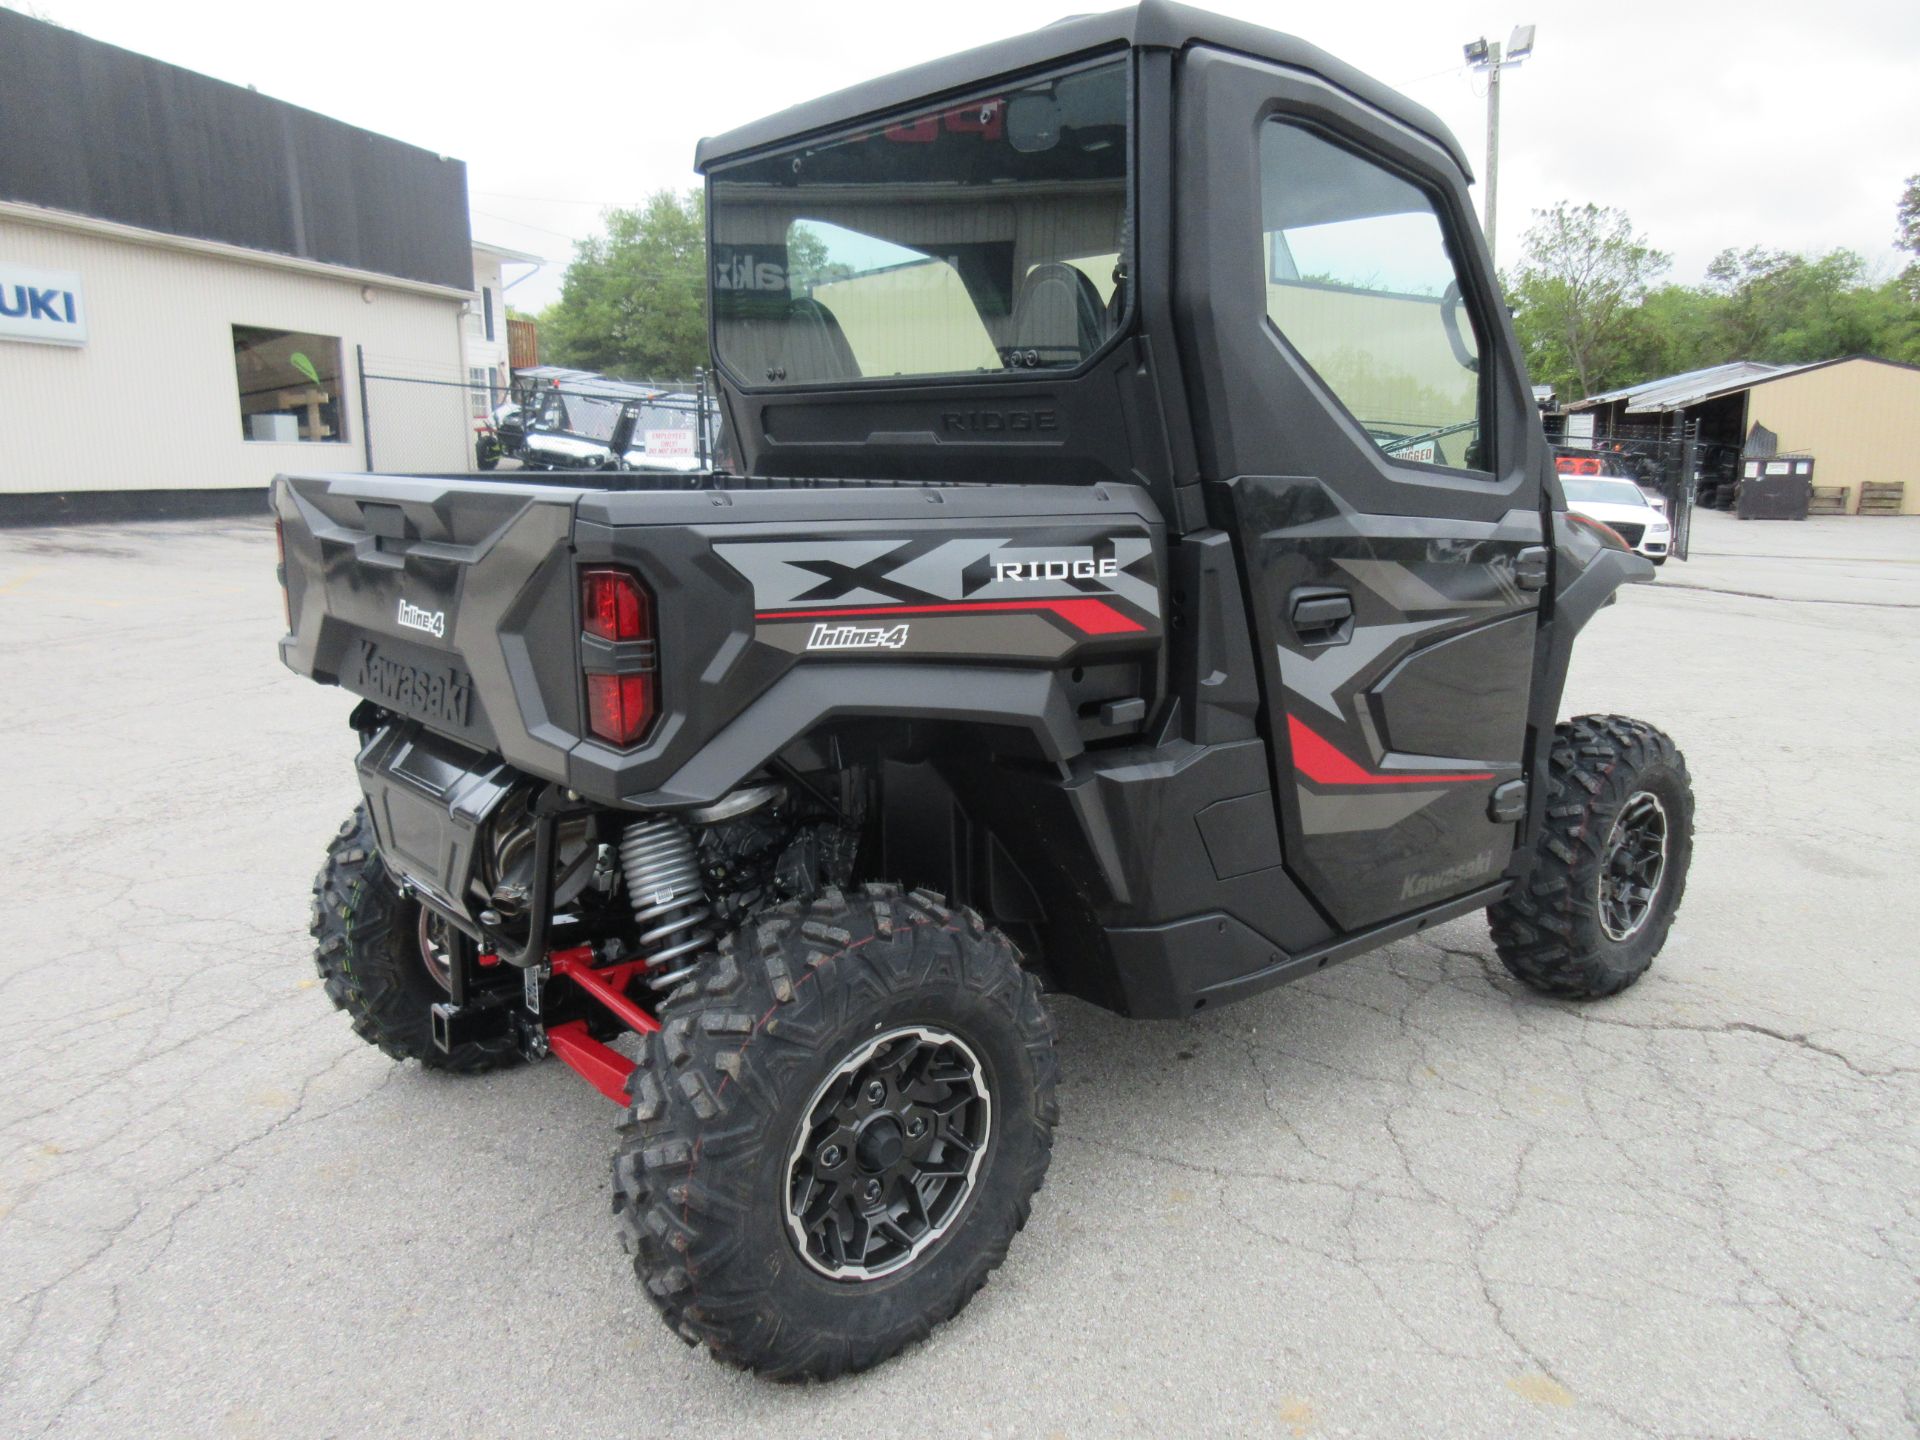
(1490, 56)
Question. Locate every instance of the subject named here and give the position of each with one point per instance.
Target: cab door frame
(1373, 826)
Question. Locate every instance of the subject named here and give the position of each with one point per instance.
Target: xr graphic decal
(1073, 589)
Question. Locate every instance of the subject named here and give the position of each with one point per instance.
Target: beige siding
(1860, 420)
(1386, 356)
(151, 400)
(917, 320)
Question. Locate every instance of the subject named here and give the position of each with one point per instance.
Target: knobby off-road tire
(367, 950)
(704, 1173)
(1572, 929)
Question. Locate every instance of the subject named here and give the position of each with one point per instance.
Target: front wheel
(1610, 863)
(837, 1132)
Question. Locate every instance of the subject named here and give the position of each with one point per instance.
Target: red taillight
(614, 606)
(619, 707)
(622, 685)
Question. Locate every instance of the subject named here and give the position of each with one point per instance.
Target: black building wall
(101, 131)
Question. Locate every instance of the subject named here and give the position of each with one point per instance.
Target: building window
(289, 385)
(486, 301)
(480, 392)
(1362, 283)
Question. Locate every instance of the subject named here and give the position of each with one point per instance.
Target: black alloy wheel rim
(887, 1154)
(1635, 864)
(437, 939)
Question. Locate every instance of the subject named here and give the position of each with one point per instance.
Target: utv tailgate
(430, 596)
(453, 601)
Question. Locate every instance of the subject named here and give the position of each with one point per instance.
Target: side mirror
(1453, 306)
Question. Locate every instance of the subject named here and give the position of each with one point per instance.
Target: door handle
(1322, 617)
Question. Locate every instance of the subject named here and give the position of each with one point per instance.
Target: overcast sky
(1712, 124)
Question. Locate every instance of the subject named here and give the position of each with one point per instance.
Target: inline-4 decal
(857, 637)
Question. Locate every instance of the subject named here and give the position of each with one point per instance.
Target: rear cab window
(980, 238)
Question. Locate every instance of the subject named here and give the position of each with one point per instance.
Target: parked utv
(1143, 577)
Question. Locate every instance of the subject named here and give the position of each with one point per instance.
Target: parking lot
(1402, 1198)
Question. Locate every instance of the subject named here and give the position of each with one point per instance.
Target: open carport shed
(1858, 417)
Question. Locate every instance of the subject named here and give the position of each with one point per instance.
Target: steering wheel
(1452, 306)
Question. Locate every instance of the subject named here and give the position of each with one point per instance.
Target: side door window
(1361, 283)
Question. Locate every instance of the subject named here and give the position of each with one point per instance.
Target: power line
(1431, 75)
(545, 199)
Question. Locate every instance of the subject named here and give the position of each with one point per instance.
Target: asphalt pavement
(1404, 1197)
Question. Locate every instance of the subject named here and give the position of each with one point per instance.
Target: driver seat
(1058, 313)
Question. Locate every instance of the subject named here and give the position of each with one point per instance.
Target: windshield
(979, 238)
(1601, 492)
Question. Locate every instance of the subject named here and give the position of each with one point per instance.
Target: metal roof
(1150, 25)
(503, 252)
(1676, 392)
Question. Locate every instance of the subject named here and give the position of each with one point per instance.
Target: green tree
(634, 299)
(1675, 328)
(1907, 236)
(1584, 273)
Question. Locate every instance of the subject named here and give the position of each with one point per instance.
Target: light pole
(1490, 57)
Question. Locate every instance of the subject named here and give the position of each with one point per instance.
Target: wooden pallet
(1882, 499)
(1827, 500)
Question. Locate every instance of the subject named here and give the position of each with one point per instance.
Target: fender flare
(810, 695)
(1588, 575)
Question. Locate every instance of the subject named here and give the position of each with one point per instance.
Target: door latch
(1321, 617)
(1530, 568)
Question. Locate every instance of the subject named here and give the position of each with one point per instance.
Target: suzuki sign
(43, 305)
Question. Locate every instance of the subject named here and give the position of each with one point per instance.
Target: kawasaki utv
(1139, 574)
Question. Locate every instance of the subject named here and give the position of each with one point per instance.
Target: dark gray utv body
(1124, 538)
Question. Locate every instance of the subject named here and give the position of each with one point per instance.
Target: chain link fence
(1662, 461)
(544, 420)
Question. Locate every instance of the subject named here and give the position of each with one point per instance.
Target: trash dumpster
(1776, 489)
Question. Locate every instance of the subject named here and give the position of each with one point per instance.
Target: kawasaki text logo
(434, 622)
(1447, 879)
(443, 695)
(857, 637)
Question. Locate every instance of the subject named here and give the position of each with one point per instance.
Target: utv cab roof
(1151, 25)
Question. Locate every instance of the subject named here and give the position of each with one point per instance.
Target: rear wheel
(385, 961)
(837, 1132)
(1610, 865)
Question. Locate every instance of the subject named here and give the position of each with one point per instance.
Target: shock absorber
(669, 903)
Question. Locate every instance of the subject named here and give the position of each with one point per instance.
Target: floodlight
(1476, 51)
(1521, 44)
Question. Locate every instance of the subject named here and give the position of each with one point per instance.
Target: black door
(1373, 447)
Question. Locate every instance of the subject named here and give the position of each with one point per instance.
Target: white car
(1622, 507)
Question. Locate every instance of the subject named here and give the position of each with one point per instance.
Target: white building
(488, 370)
(190, 300)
